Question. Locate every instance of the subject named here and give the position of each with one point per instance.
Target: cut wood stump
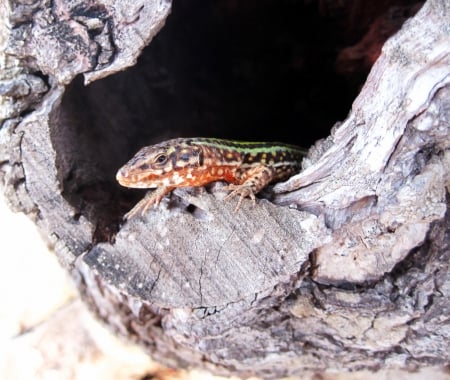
(344, 266)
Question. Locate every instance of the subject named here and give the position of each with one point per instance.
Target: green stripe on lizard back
(252, 152)
(246, 146)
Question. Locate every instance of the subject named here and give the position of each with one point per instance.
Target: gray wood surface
(347, 268)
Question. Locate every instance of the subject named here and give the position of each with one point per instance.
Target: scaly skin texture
(248, 167)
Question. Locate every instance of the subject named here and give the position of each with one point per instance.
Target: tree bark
(346, 267)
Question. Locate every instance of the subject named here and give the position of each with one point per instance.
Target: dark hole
(254, 70)
(191, 208)
(198, 213)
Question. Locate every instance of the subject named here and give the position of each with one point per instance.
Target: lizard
(247, 167)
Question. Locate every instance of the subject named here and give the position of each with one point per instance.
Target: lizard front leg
(150, 199)
(254, 180)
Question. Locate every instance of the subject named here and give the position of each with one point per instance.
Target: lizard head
(164, 164)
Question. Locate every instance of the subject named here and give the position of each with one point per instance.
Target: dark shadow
(253, 70)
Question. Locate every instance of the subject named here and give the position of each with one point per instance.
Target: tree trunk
(344, 266)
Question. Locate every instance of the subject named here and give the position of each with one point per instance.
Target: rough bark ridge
(354, 274)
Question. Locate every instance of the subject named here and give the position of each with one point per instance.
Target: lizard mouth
(138, 181)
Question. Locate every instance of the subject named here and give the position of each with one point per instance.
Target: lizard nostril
(122, 173)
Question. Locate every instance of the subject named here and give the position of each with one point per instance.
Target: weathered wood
(396, 158)
(192, 268)
(354, 274)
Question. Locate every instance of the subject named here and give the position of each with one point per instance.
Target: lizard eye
(161, 159)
